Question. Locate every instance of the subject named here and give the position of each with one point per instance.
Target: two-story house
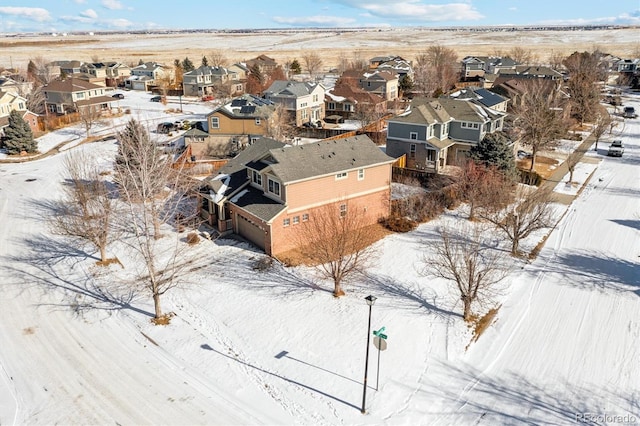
(266, 64)
(236, 124)
(303, 100)
(202, 80)
(117, 73)
(269, 190)
(437, 132)
(346, 101)
(70, 94)
(382, 83)
(145, 75)
(483, 96)
(12, 102)
(627, 65)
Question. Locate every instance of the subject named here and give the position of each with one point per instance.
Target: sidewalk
(557, 175)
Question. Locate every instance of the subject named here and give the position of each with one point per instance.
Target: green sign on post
(380, 334)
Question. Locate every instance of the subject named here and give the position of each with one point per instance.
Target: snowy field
(274, 347)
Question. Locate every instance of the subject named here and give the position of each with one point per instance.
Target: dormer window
(256, 177)
(342, 175)
(274, 187)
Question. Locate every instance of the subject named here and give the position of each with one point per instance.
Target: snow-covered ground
(274, 347)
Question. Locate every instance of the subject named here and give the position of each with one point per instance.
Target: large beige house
(270, 189)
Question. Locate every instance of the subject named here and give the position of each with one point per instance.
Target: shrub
(192, 238)
(399, 224)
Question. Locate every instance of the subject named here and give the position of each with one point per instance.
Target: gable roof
(245, 106)
(70, 85)
(233, 176)
(343, 91)
(296, 163)
(287, 88)
(484, 96)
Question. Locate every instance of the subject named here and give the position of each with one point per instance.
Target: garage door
(250, 230)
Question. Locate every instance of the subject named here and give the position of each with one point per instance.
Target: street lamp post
(370, 301)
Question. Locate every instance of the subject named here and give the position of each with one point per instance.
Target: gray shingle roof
(255, 202)
(294, 163)
(290, 88)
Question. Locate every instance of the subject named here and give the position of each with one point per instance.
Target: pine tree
(494, 151)
(187, 65)
(133, 139)
(18, 135)
(205, 61)
(295, 67)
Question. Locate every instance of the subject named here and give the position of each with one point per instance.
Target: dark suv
(156, 99)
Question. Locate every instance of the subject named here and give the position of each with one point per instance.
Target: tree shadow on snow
(54, 265)
(514, 399)
(408, 296)
(633, 224)
(597, 270)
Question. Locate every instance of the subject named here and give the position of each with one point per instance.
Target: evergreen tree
(187, 65)
(140, 62)
(494, 150)
(405, 84)
(295, 67)
(132, 140)
(18, 135)
(205, 61)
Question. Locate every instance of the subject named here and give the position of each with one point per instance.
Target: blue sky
(96, 15)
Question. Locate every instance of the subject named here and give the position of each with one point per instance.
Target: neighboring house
(266, 64)
(627, 65)
(513, 86)
(382, 83)
(401, 67)
(436, 132)
(8, 84)
(270, 189)
(534, 71)
(95, 69)
(117, 73)
(483, 96)
(473, 66)
(12, 102)
(240, 70)
(237, 123)
(345, 101)
(303, 100)
(145, 75)
(70, 94)
(68, 67)
(202, 80)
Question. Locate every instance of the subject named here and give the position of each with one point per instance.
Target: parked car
(616, 149)
(118, 96)
(156, 99)
(629, 112)
(166, 127)
(207, 98)
(198, 125)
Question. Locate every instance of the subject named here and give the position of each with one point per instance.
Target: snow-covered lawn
(250, 346)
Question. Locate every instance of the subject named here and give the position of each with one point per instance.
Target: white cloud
(34, 13)
(319, 21)
(112, 4)
(416, 10)
(623, 19)
(80, 1)
(513, 9)
(89, 13)
(118, 23)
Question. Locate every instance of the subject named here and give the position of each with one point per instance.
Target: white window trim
(342, 175)
(413, 136)
(215, 122)
(360, 174)
(343, 210)
(275, 182)
(286, 222)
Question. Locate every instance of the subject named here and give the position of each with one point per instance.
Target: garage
(250, 230)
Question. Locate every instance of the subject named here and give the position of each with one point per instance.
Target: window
(296, 220)
(342, 175)
(412, 150)
(305, 217)
(257, 121)
(80, 95)
(332, 106)
(360, 174)
(413, 135)
(286, 222)
(315, 98)
(215, 122)
(304, 114)
(256, 177)
(429, 131)
(274, 187)
(343, 210)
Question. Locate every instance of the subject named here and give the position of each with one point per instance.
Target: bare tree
(218, 58)
(279, 124)
(465, 259)
(523, 56)
(312, 62)
(435, 72)
(89, 115)
(153, 194)
(483, 187)
(539, 118)
(88, 207)
(585, 70)
(530, 212)
(572, 161)
(41, 70)
(602, 123)
(337, 242)
(556, 60)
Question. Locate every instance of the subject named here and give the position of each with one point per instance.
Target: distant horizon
(533, 27)
(73, 16)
